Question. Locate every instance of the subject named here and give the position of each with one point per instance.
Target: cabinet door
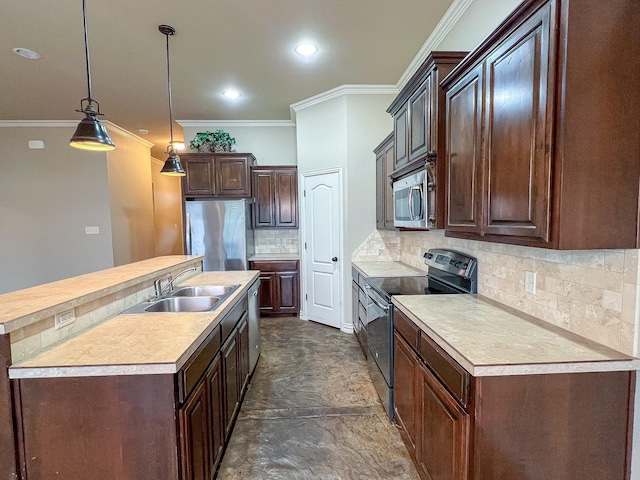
(232, 177)
(264, 198)
(389, 161)
(518, 116)
(231, 381)
(420, 116)
(216, 405)
(243, 353)
(464, 157)
(195, 435)
(443, 444)
(286, 198)
(405, 374)
(401, 136)
(198, 179)
(380, 190)
(267, 290)
(288, 287)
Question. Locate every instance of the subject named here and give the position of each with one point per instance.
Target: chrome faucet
(160, 290)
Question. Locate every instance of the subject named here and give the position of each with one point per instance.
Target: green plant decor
(212, 141)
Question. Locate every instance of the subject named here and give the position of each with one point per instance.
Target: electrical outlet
(530, 282)
(63, 319)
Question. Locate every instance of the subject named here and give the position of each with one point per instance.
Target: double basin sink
(201, 298)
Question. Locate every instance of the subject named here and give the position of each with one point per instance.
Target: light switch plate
(92, 230)
(64, 318)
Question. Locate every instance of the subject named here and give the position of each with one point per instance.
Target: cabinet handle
(334, 259)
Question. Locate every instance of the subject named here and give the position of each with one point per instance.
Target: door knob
(334, 259)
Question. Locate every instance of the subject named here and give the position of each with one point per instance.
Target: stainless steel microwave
(413, 200)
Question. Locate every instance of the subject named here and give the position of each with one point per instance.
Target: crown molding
(72, 124)
(235, 123)
(446, 23)
(341, 91)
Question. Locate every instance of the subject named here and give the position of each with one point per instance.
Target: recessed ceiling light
(143, 131)
(306, 49)
(26, 53)
(232, 94)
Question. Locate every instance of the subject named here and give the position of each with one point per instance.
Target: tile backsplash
(276, 240)
(593, 293)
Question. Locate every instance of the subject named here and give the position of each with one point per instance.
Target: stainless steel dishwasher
(254, 325)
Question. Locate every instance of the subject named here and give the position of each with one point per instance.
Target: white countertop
(148, 343)
(490, 339)
(387, 269)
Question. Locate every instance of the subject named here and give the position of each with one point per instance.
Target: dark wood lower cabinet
(564, 426)
(133, 427)
(279, 287)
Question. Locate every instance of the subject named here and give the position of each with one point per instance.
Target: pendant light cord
(169, 88)
(86, 49)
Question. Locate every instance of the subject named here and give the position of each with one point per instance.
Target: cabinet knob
(334, 259)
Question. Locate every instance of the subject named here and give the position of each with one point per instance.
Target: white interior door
(322, 206)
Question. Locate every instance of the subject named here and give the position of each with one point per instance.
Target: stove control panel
(451, 261)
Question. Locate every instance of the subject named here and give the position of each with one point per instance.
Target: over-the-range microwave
(414, 200)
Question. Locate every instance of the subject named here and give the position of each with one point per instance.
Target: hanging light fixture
(172, 166)
(90, 133)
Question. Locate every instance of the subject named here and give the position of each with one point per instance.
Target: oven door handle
(375, 298)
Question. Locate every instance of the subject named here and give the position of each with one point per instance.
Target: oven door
(379, 341)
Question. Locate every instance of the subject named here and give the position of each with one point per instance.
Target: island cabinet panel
(8, 452)
(275, 195)
(224, 175)
(534, 115)
(569, 426)
(99, 427)
(194, 432)
(215, 385)
(231, 367)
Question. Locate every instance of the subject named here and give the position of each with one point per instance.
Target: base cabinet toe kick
(133, 427)
(569, 426)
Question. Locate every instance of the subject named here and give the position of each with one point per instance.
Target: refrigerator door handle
(187, 233)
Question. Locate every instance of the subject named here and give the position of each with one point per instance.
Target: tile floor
(311, 412)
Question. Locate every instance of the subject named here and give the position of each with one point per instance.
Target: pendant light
(90, 133)
(172, 166)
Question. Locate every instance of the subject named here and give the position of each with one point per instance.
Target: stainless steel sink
(204, 290)
(183, 304)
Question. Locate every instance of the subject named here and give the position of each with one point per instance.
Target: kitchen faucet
(160, 290)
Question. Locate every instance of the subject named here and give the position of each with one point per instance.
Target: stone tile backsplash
(592, 293)
(276, 240)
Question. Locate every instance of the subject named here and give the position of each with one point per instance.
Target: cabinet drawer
(354, 275)
(275, 265)
(195, 367)
(362, 297)
(406, 328)
(232, 318)
(452, 375)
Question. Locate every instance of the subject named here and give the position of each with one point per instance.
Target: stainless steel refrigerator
(220, 230)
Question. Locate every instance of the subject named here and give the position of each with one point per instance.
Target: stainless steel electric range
(449, 272)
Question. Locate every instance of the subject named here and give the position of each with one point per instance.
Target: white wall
(47, 197)
(476, 23)
(342, 133)
(272, 143)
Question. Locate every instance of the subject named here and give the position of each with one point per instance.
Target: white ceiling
(247, 44)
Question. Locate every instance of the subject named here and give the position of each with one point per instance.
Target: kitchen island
(146, 395)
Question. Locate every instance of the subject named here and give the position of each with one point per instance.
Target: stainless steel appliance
(414, 200)
(449, 272)
(253, 312)
(220, 230)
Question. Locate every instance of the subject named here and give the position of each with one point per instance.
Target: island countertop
(23, 307)
(490, 339)
(148, 343)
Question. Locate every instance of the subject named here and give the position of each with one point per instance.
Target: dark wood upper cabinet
(225, 175)
(385, 155)
(418, 118)
(275, 194)
(542, 135)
